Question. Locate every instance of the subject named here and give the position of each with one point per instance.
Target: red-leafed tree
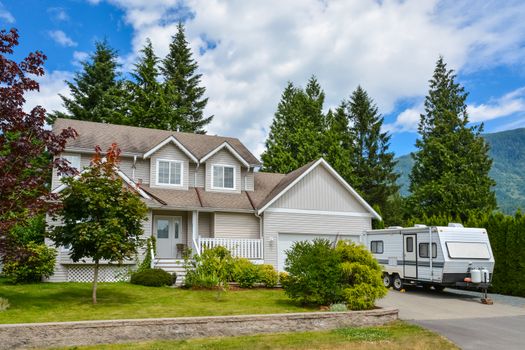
(27, 147)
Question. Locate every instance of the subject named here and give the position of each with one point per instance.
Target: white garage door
(286, 240)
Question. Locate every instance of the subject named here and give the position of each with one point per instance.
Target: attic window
(169, 173)
(223, 177)
(74, 162)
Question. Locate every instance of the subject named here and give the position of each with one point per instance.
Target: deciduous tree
(27, 147)
(102, 219)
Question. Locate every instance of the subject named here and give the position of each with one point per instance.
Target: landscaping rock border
(41, 335)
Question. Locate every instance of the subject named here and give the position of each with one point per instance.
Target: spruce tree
(450, 174)
(96, 92)
(182, 90)
(147, 106)
(297, 131)
(372, 163)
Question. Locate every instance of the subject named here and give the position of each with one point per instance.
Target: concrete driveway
(461, 317)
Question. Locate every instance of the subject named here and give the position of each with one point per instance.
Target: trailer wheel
(438, 288)
(397, 282)
(387, 280)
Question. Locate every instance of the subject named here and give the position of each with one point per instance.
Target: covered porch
(179, 232)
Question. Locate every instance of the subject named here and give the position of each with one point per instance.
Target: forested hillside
(507, 149)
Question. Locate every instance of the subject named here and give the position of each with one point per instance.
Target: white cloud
(389, 47)
(51, 84)
(5, 15)
(58, 14)
(61, 38)
(79, 57)
(507, 105)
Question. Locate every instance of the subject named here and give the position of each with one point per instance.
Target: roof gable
(171, 140)
(293, 178)
(232, 151)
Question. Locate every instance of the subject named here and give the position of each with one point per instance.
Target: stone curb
(57, 334)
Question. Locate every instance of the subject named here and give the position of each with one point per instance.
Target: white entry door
(410, 256)
(168, 232)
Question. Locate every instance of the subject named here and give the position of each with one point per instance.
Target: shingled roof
(135, 140)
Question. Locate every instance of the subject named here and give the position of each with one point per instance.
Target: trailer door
(409, 256)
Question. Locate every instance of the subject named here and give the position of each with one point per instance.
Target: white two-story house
(203, 191)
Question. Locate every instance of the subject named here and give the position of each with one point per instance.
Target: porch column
(195, 231)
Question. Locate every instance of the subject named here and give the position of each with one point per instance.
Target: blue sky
(247, 51)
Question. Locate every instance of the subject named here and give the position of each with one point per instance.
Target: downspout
(133, 167)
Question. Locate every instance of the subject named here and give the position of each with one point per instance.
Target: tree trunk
(95, 280)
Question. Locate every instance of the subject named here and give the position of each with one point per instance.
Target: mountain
(507, 149)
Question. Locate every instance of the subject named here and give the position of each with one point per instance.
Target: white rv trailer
(460, 257)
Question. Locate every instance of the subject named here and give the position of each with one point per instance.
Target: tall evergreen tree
(450, 174)
(182, 89)
(297, 132)
(372, 163)
(147, 105)
(96, 92)
(338, 144)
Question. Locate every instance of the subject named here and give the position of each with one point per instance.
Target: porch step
(171, 266)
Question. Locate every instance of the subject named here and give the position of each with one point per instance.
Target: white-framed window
(74, 162)
(169, 172)
(223, 177)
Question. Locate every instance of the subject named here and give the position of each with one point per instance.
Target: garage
(286, 240)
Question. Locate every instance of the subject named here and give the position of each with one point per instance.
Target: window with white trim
(223, 177)
(74, 162)
(169, 172)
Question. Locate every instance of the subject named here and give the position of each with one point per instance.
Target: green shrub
(320, 274)
(245, 273)
(314, 275)
(146, 263)
(153, 278)
(37, 261)
(213, 268)
(268, 276)
(283, 277)
(4, 304)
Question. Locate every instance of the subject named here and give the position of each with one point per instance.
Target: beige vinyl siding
(223, 157)
(247, 179)
(196, 179)
(60, 271)
(169, 152)
(142, 171)
(319, 190)
(205, 224)
(236, 225)
(315, 224)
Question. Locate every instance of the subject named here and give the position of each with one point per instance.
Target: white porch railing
(243, 248)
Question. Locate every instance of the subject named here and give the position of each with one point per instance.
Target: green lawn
(49, 302)
(395, 336)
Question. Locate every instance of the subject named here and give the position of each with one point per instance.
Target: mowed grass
(397, 335)
(55, 302)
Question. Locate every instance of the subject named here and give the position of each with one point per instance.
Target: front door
(409, 256)
(168, 232)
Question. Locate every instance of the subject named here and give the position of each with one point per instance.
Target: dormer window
(74, 162)
(223, 177)
(169, 172)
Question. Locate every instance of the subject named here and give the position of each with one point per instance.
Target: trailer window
(376, 247)
(423, 250)
(410, 244)
(468, 250)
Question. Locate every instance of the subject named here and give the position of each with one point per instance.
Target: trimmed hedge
(153, 278)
